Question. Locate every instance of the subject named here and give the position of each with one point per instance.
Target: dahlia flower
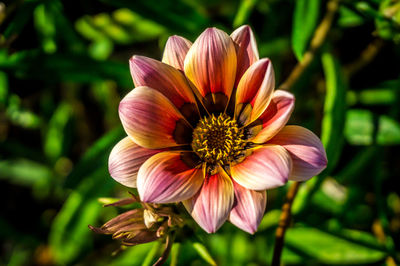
(206, 128)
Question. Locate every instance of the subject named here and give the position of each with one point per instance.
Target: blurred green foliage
(64, 69)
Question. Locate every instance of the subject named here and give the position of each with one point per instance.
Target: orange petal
(274, 117)
(175, 51)
(163, 78)
(211, 63)
(165, 178)
(151, 120)
(267, 167)
(305, 148)
(249, 208)
(211, 206)
(125, 159)
(255, 88)
(246, 49)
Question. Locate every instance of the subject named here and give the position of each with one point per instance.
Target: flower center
(218, 140)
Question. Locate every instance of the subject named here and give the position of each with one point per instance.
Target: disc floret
(218, 139)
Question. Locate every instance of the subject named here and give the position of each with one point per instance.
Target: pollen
(218, 140)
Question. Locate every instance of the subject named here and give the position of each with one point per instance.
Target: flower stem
(317, 40)
(168, 245)
(284, 221)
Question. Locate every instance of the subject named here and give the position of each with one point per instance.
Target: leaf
(244, 11)
(333, 249)
(359, 128)
(69, 235)
(21, 18)
(305, 18)
(133, 255)
(178, 15)
(388, 131)
(386, 93)
(122, 26)
(65, 67)
(349, 18)
(45, 25)
(365, 128)
(151, 255)
(334, 110)
(20, 116)
(3, 89)
(204, 254)
(24, 172)
(175, 254)
(96, 156)
(54, 142)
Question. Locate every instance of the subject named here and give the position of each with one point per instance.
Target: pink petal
(150, 119)
(274, 117)
(305, 148)
(125, 159)
(267, 167)
(175, 51)
(165, 178)
(163, 78)
(246, 49)
(211, 63)
(255, 91)
(211, 206)
(249, 208)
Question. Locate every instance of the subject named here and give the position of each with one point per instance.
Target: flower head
(140, 225)
(206, 128)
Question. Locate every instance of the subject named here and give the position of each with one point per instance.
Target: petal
(267, 167)
(211, 63)
(163, 78)
(210, 207)
(256, 89)
(274, 117)
(175, 51)
(305, 148)
(165, 178)
(249, 208)
(246, 49)
(151, 120)
(125, 159)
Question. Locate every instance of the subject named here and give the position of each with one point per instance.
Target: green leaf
(305, 19)
(54, 142)
(204, 254)
(182, 16)
(334, 110)
(69, 234)
(244, 11)
(176, 248)
(3, 88)
(388, 131)
(45, 25)
(359, 128)
(24, 172)
(349, 18)
(96, 156)
(133, 255)
(333, 249)
(20, 116)
(65, 67)
(365, 128)
(21, 18)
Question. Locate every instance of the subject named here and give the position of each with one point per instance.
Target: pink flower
(206, 127)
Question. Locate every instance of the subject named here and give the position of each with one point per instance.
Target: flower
(140, 225)
(206, 128)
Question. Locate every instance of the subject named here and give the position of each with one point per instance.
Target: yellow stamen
(218, 140)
